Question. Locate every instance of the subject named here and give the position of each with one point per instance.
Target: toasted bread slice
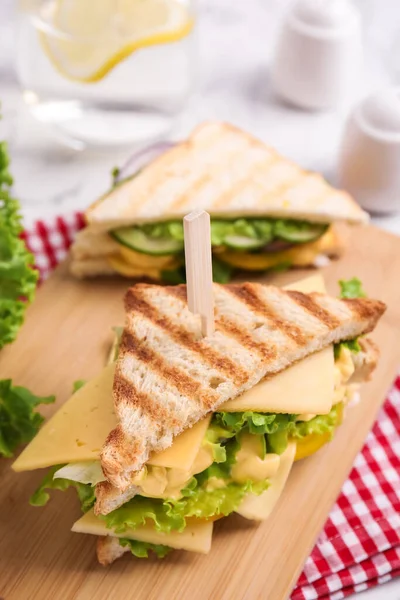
(229, 173)
(109, 549)
(365, 361)
(167, 377)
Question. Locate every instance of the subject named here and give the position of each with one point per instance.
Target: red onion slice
(141, 158)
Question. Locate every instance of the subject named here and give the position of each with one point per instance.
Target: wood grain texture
(66, 337)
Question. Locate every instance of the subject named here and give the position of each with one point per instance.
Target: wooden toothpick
(199, 281)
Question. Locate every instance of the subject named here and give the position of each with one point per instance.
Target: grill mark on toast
(125, 389)
(278, 191)
(246, 293)
(129, 450)
(364, 308)
(232, 329)
(186, 385)
(206, 177)
(312, 307)
(165, 161)
(135, 301)
(179, 291)
(238, 186)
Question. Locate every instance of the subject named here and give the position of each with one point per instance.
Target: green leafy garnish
(256, 423)
(352, 288)
(86, 493)
(200, 499)
(78, 384)
(352, 345)
(319, 424)
(142, 549)
(19, 422)
(222, 273)
(17, 276)
(174, 276)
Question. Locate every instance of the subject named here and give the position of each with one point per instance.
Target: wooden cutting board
(66, 337)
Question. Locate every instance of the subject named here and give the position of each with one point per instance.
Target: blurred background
(220, 69)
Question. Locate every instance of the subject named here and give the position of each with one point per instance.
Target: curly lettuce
(86, 493)
(19, 422)
(350, 288)
(18, 278)
(198, 500)
(319, 425)
(142, 549)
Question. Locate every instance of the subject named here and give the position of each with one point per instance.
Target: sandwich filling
(237, 244)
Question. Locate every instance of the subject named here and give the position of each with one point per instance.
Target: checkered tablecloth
(360, 544)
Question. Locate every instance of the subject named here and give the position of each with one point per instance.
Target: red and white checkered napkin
(360, 544)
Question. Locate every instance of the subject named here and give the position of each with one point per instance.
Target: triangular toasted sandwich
(179, 455)
(266, 212)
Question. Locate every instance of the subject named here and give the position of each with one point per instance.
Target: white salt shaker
(369, 157)
(318, 53)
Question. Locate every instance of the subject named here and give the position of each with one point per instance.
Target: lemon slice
(92, 37)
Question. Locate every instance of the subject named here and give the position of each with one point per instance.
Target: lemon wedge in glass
(91, 37)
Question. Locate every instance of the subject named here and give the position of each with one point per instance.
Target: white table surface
(236, 40)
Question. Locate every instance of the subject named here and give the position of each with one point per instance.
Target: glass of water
(106, 73)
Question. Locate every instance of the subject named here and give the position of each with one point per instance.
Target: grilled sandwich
(182, 430)
(266, 212)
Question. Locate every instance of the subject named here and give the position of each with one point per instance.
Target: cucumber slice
(241, 242)
(299, 232)
(136, 239)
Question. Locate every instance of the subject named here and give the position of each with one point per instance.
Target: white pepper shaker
(369, 157)
(318, 54)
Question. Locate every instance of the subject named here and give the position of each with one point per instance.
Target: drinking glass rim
(44, 25)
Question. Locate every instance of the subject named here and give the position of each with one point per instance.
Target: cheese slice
(196, 537)
(77, 432)
(259, 508)
(306, 387)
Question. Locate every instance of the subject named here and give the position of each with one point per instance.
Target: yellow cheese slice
(196, 537)
(301, 255)
(306, 387)
(78, 430)
(258, 508)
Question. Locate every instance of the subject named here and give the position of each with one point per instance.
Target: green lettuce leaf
(352, 345)
(201, 501)
(318, 425)
(19, 422)
(78, 384)
(142, 549)
(17, 276)
(351, 288)
(40, 497)
(274, 427)
(256, 423)
(174, 276)
(140, 509)
(222, 273)
(168, 230)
